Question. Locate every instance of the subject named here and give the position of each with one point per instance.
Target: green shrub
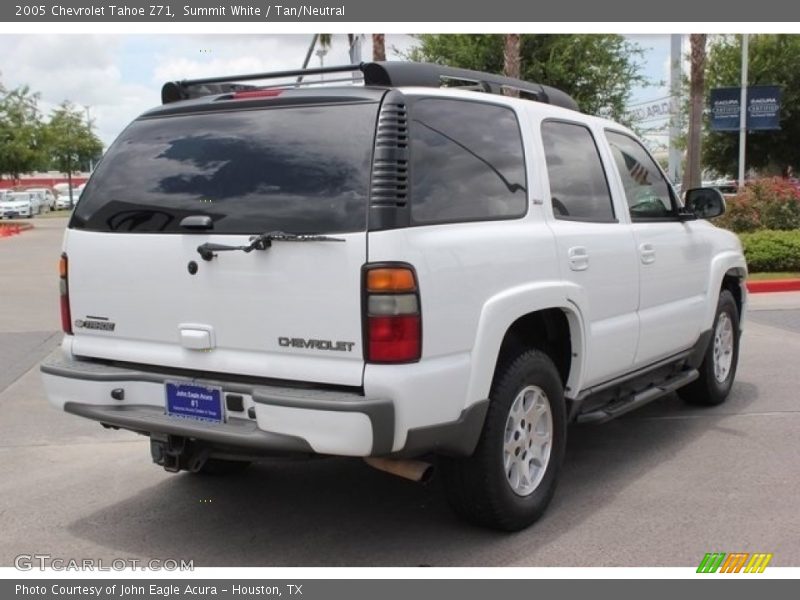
(739, 216)
(768, 250)
(770, 203)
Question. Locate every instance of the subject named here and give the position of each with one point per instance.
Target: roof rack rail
(391, 74)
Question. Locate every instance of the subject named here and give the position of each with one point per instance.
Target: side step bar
(618, 407)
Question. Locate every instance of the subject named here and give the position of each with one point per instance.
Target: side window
(646, 190)
(467, 162)
(578, 185)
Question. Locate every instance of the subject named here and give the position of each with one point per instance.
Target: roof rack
(391, 74)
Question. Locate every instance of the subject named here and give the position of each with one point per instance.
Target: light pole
(743, 110)
(675, 108)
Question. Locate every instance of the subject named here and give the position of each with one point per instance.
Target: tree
(599, 71)
(511, 58)
(692, 176)
(378, 47)
(511, 55)
(70, 141)
(21, 144)
(774, 59)
(325, 40)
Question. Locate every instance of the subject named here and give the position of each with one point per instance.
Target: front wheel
(718, 368)
(509, 480)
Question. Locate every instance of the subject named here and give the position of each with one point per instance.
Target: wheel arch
(728, 271)
(535, 316)
(734, 282)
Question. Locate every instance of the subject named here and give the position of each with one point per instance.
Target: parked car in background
(36, 201)
(46, 197)
(60, 188)
(18, 204)
(727, 188)
(63, 200)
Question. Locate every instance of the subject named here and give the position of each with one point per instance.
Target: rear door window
(467, 162)
(578, 185)
(296, 169)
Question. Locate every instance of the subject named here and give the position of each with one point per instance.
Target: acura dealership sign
(763, 108)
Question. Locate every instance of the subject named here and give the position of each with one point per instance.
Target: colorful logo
(736, 562)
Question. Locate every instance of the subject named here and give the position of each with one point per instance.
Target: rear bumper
(239, 434)
(273, 420)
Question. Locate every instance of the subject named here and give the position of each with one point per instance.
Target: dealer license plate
(194, 401)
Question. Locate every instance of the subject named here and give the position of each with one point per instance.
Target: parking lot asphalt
(659, 487)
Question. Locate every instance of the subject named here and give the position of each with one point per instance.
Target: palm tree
(325, 39)
(511, 55)
(378, 47)
(692, 177)
(511, 60)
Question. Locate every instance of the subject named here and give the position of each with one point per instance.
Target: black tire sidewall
(531, 368)
(717, 390)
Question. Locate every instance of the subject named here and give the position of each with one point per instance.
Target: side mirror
(706, 203)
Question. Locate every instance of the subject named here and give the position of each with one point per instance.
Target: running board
(619, 407)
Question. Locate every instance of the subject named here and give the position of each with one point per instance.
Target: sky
(119, 76)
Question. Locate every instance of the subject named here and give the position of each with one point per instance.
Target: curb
(773, 285)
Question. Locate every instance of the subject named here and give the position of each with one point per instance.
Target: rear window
(299, 170)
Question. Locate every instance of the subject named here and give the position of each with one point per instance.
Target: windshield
(298, 169)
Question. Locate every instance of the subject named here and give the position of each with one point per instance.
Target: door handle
(578, 258)
(647, 254)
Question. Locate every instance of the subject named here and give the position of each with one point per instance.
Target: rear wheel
(718, 369)
(509, 480)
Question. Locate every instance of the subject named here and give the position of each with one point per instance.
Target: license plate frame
(195, 401)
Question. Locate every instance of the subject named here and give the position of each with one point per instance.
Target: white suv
(401, 271)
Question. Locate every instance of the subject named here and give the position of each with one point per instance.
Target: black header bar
(419, 11)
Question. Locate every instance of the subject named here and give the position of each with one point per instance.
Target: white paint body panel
(475, 280)
(141, 283)
(673, 287)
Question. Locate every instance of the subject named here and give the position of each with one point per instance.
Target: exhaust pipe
(415, 470)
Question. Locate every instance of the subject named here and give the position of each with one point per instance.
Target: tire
(718, 369)
(218, 467)
(481, 488)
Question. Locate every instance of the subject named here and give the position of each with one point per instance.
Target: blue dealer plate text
(194, 401)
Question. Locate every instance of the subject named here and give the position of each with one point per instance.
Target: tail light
(392, 317)
(63, 288)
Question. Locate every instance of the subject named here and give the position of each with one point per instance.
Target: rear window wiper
(262, 242)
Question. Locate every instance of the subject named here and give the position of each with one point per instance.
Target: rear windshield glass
(299, 170)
